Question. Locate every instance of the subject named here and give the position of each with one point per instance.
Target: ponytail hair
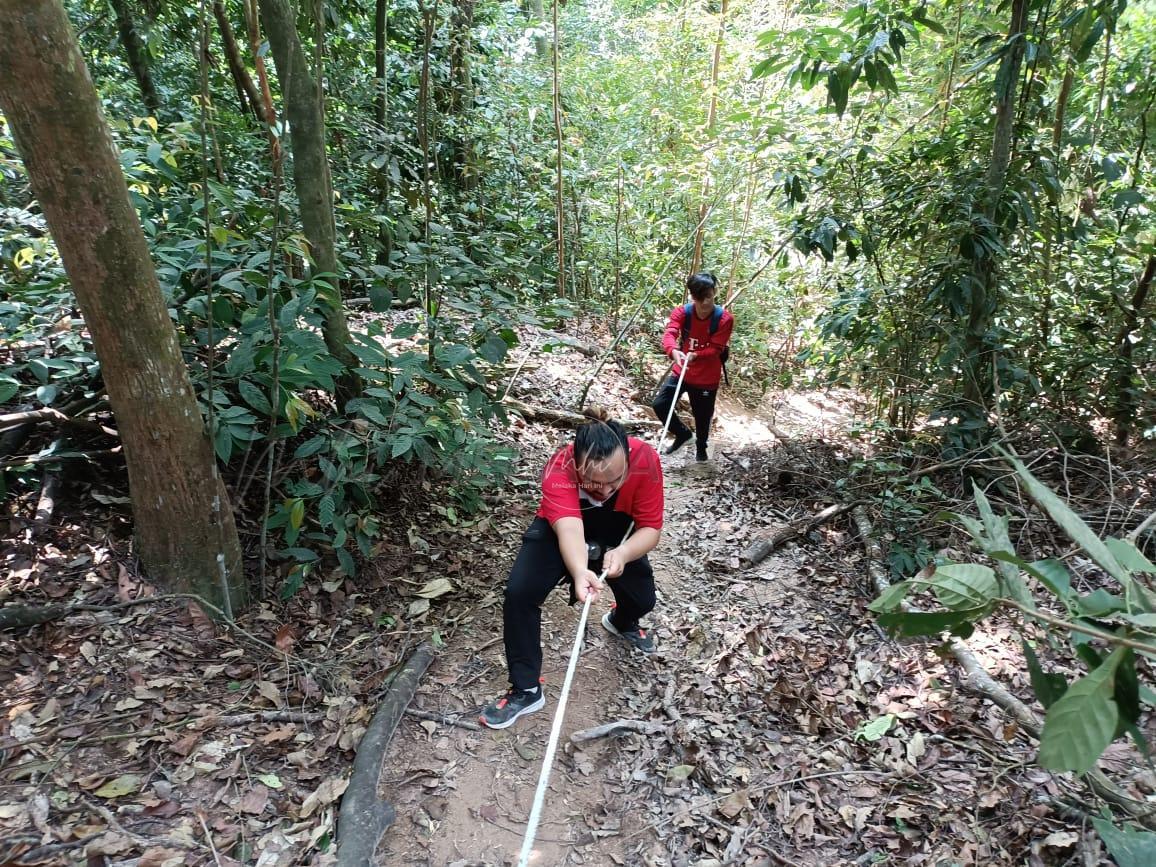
(599, 438)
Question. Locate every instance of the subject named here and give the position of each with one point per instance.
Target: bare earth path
(791, 730)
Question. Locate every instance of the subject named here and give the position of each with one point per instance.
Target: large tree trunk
(311, 176)
(246, 90)
(186, 536)
(135, 50)
(978, 354)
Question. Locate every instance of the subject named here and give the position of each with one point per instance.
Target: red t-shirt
(640, 496)
(706, 367)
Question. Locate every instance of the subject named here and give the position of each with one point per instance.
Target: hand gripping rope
(556, 728)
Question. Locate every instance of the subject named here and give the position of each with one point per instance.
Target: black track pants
(701, 405)
(538, 569)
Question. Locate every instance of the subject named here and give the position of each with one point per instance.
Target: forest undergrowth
(778, 722)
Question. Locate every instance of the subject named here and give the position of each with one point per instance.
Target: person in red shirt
(701, 352)
(595, 491)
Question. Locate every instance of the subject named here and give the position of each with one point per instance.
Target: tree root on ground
(363, 817)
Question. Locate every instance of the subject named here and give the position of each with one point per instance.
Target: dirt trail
(463, 797)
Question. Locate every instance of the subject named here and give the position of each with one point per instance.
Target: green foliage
(1085, 716)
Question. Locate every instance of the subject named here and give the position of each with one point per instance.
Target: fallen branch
(363, 818)
(563, 417)
(616, 728)
(758, 550)
(981, 683)
(587, 349)
(32, 416)
(466, 724)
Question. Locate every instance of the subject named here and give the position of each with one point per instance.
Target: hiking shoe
(515, 703)
(700, 453)
(680, 439)
(636, 636)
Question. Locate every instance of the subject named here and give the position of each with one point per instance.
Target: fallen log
(364, 817)
(978, 681)
(761, 548)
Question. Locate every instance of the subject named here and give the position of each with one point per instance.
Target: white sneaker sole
(530, 708)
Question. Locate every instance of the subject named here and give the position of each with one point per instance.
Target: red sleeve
(647, 507)
(718, 340)
(672, 339)
(560, 487)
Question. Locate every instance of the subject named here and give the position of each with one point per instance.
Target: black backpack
(715, 319)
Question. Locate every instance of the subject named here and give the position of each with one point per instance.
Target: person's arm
(572, 543)
(672, 337)
(641, 543)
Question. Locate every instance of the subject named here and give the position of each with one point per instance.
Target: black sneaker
(700, 453)
(680, 439)
(515, 703)
(636, 636)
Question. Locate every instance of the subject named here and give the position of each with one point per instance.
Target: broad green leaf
(1128, 847)
(1054, 575)
(1129, 556)
(997, 539)
(964, 585)
(1049, 687)
(8, 388)
(1082, 723)
(1099, 603)
(910, 623)
(401, 445)
(1070, 522)
(297, 514)
(326, 510)
(877, 728)
(890, 598)
(123, 785)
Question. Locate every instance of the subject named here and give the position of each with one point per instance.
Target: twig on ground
(469, 725)
(617, 727)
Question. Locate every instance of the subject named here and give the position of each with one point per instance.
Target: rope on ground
(555, 730)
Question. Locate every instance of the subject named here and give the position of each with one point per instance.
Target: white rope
(556, 728)
(673, 404)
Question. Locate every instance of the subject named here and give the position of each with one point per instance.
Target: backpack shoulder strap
(687, 312)
(716, 318)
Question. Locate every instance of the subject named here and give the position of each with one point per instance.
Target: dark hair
(599, 438)
(701, 284)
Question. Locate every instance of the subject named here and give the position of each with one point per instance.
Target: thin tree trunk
(977, 353)
(711, 112)
(538, 12)
(185, 533)
(559, 204)
(1126, 386)
(428, 17)
(304, 112)
(380, 30)
(253, 27)
(461, 92)
(135, 51)
(246, 89)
